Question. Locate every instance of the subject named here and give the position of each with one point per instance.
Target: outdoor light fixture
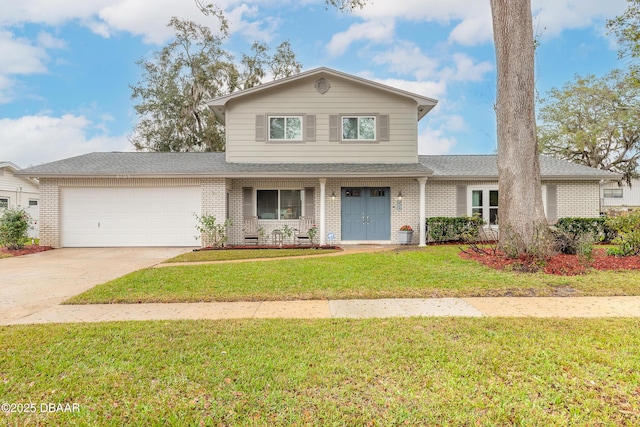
(333, 195)
(399, 195)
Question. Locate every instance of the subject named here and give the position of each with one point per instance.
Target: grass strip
(414, 371)
(236, 254)
(424, 273)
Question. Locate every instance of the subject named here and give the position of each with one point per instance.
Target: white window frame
(358, 117)
(286, 117)
(612, 190)
(4, 202)
(486, 215)
(279, 209)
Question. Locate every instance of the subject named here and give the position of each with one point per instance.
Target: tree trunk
(521, 214)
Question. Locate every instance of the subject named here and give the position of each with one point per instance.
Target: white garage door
(97, 217)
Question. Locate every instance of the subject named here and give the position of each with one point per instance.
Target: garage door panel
(129, 216)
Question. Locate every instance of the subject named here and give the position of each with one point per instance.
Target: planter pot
(405, 237)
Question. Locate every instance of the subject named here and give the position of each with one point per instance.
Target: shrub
(628, 234)
(446, 229)
(541, 248)
(574, 244)
(14, 228)
(213, 235)
(596, 227)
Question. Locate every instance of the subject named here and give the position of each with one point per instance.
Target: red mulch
(561, 264)
(29, 249)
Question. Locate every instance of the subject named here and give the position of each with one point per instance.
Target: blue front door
(366, 213)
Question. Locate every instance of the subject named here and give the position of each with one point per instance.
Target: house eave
(240, 175)
(424, 104)
(543, 178)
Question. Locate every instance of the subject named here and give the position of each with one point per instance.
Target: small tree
(14, 227)
(212, 234)
(628, 237)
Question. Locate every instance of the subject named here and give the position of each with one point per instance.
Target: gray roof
(136, 164)
(144, 164)
(486, 167)
(424, 104)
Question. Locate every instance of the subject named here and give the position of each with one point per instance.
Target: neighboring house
(620, 196)
(322, 144)
(19, 192)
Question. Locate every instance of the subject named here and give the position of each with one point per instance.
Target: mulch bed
(29, 249)
(561, 264)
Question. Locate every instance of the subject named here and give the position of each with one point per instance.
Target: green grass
(430, 272)
(526, 372)
(237, 254)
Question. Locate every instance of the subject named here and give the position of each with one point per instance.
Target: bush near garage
(14, 228)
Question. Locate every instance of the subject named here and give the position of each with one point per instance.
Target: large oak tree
(594, 122)
(193, 68)
(522, 219)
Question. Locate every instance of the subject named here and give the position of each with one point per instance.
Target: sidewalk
(559, 307)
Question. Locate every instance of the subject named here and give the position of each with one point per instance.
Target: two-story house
(322, 144)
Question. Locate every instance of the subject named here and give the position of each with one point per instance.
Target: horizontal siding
(630, 195)
(343, 98)
(18, 190)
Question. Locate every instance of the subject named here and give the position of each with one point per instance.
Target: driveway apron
(35, 282)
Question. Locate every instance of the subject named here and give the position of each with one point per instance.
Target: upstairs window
(285, 128)
(359, 128)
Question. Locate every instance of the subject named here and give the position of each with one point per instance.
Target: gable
(319, 105)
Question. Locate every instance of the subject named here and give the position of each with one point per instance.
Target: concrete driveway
(35, 282)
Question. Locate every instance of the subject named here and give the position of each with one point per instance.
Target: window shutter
(333, 128)
(309, 202)
(552, 204)
(383, 127)
(461, 200)
(261, 127)
(310, 128)
(247, 202)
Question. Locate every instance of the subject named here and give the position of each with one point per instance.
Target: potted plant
(405, 235)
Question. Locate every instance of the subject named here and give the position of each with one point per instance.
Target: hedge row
(597, 227)
(445, 229)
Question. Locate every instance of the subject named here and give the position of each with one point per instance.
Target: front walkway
(557, 307)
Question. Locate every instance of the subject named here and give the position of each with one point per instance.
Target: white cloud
(20, 56)
(434, 141)
(32, 140)
(473, 31)
(431, 89)
(552, 17)
(467, 69)
(406, 58)
(375, 31)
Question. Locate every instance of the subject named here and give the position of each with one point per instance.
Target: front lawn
(435, 271)
(238, 254)
(414, 371)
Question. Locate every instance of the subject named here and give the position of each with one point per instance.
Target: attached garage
(129, 216)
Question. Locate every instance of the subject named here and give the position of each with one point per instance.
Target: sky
(66, 66)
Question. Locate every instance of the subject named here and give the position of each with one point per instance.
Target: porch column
(423, 211)
(323, 196)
